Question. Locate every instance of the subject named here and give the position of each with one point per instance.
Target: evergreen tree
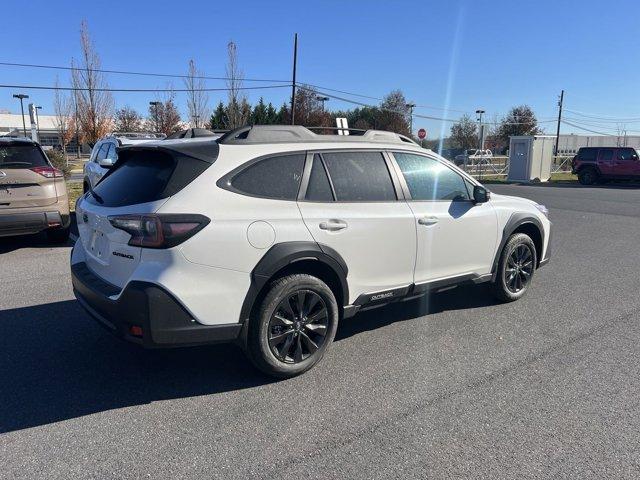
(218, 118)
(259, 114)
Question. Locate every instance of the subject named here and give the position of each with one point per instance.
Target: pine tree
(218, 118)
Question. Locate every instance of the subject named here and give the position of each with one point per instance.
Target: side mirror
(107, 162)
(481, 194)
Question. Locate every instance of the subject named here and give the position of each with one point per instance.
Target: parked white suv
(271, 234)
(104, 156)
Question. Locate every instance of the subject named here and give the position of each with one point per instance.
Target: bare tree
(197, 97)
(64, 120)
(464, 133)
(94, 104)
(236, 114)
(128, 120)
(164, 116)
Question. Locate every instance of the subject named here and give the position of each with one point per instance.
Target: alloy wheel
(298, 326)
(519, 268)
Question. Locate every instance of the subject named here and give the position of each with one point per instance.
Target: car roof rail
(137, 135)
(252, 134)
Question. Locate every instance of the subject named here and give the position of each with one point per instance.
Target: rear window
(360, 177)
(588, 154)
(274, 177)
(21, 156)
(146, 176)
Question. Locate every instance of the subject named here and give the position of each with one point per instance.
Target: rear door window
(146, 176)
(360, 177)
(21, 156)
(319, 188)
(606, 155)
(274, 177)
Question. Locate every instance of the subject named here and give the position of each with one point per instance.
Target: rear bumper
(164, 322)
(27, 223)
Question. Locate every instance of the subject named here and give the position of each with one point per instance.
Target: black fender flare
(515, 220)
(283, 254)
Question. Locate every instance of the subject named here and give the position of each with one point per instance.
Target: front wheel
(293, 327)
(516, 267)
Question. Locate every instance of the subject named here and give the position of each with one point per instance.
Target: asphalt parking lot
(454, 386)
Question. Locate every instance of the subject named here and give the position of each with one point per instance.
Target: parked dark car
(595, 164)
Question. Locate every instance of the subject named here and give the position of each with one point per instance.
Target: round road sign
(422, 134)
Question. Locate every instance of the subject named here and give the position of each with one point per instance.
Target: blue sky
(473, 53)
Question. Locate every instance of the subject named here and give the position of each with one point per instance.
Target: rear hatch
(26, 178)
(140, 182)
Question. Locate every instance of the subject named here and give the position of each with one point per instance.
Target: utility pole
(410, 106)
(293, 85)
(21, 97)
(559, 120)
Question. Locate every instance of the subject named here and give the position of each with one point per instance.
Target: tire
(58, 235)
(278, 338)
(516, 268)
(588, 176)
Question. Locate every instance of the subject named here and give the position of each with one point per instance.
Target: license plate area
(98, 244)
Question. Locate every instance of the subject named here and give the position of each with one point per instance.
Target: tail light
(48, 172)
(159, 230)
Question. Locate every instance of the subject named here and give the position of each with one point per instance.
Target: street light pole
(480, 135)
(410, 106)
(155, 105)
(322, 99)
(38, 107)
(22, 96)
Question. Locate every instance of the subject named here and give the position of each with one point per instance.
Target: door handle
(428, 221)
(333, 225)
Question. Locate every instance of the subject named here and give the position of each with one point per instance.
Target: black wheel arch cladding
(282, 255)
(515, 222)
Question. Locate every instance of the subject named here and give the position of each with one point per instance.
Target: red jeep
(594, 164)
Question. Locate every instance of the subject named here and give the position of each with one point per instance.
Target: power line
(126, 72)
(603, 118)
(588, 130)
(416, 115)
(157, 90)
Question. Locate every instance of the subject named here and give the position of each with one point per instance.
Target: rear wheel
(588, 176)
(516, 267)
(293, 327)
(58, 235)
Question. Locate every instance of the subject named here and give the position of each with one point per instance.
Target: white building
(568, 144)
(11, 125)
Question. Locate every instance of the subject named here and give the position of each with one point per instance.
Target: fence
(498, 166)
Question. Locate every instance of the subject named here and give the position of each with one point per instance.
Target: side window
(429, 179)
(606, 155)
(360, 177)
(102, 152)
(319, 188)
(627, 154)
(587, 154)
(274, 177)
(111, 153)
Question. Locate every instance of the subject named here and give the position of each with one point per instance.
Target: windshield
(21, 156)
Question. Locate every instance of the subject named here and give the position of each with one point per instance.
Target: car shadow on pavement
(39, 240)
(56, 363)
(462, 297)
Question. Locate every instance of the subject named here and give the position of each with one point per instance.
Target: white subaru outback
(270, 235)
